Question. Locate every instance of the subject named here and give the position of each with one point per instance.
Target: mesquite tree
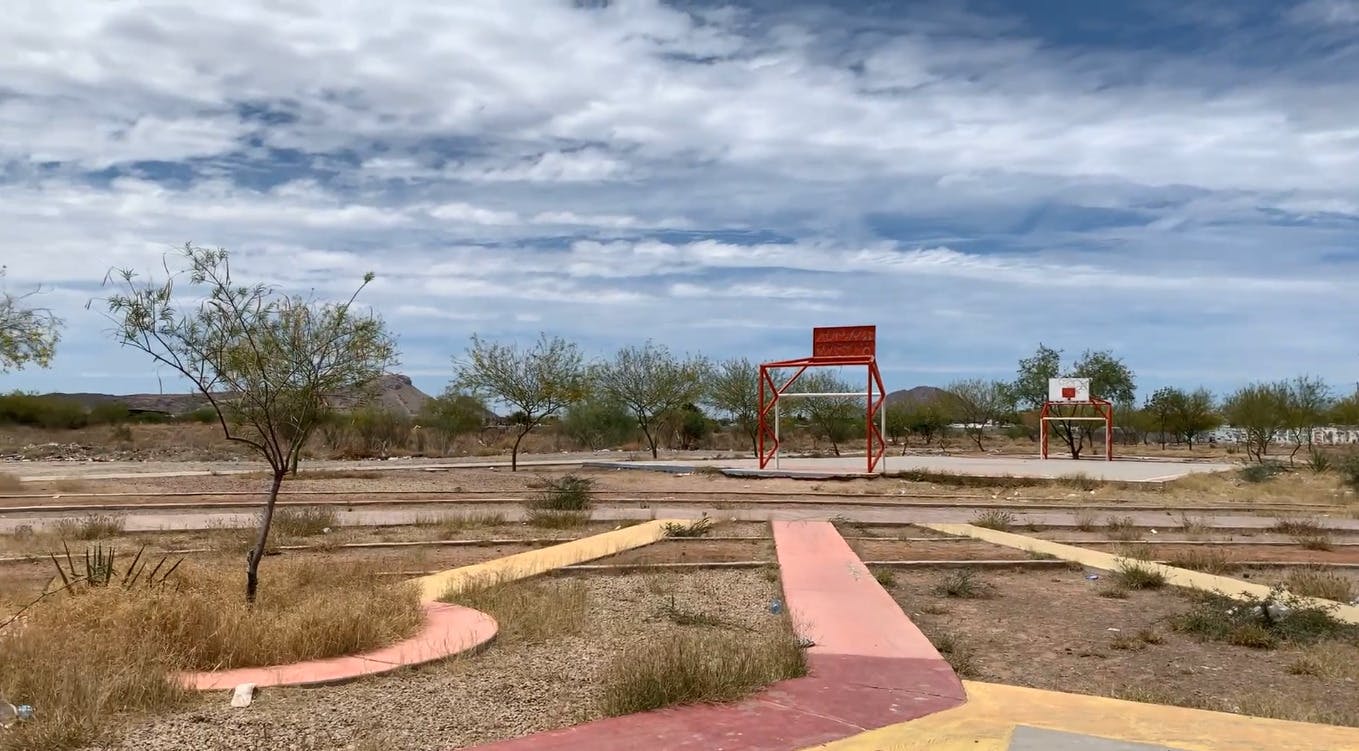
(27, 334)
(651, 382)
(267, 363)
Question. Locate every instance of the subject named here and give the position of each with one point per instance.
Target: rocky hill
(395, 393)
(917, 395)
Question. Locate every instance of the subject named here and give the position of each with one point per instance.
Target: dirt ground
(1051, 630)
(516, 687)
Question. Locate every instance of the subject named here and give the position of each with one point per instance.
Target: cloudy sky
(1176, 181)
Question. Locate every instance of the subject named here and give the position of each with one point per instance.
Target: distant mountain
(917, 395)
(395, 393)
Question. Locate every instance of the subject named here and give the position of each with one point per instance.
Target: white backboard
(1068, 389)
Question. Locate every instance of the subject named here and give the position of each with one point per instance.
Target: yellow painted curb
(534, 562)
(992, 711)
(1178, 577)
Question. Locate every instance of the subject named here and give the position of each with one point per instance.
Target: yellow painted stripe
(1178, 577)
(988, 720)
(534, 562)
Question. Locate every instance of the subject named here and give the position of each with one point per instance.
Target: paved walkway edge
(448, 630)
(870, 667)
(534, 562)
(1178, 577)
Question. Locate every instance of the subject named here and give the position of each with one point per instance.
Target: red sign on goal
(845, 341)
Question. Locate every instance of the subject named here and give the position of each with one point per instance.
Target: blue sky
(1175, 181)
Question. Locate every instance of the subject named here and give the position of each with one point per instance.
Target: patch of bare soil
(521, 684)
(1051, 630)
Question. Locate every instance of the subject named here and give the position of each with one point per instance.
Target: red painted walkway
(870, 667)
(448, 630)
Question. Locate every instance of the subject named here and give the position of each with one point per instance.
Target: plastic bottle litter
(775, 606)
(10, 714)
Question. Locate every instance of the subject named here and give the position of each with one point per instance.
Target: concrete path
(448, 630)
(1149, 471)
(870, 667)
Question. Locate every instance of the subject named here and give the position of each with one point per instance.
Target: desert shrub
(1132, 574)
(1297, 525)
(42, 412)
(1207, 560)
(885, 576)
(1257, 473)
(696, 528)
(1079, 481)
(1086, 520)
(565, 493)
(1261, 622)
(1316, 581)
(961, 657)
(1122, 528)
(996, 519)
(1349, 471)
(1195, 526)
(1313, 541)
(88, 527)
(691, 668)
(549, 519)
(305, 521)
(451, 524)
(1318, 462)
(200, 415)
(963, 583)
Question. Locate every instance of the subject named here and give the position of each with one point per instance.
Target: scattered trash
(244, 694)
(1153, 531)
(1115, 630)
(805, 643)
(1092, 577)
(325, 530)
(11, 715)
(775, 606)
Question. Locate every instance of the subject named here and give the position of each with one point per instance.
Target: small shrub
(23, 533)
(1257, 473)
(1331, 660)
(121, 433)
(1122, 528)
(305, 521)
(1138, 575)
(1207, 560)
(1313, 541)
(1038, 555)
(452, 524)
(1261, 622)
(963, 584)
(885, 576)
(1297, 525)
(566, 493)
(1319, 582)
(549, 519)
(1147, 636)
(1135, 550)
(684, 616)
(1318, 462)
(1349, 471)
(1079, 481)
(996, 519)
(1086, 521)
(1195, 527)
(1251, 635)
(691, 668)
(960, 657)
(89, 527)
(697, 528)
(1127, 642)
(934, 608)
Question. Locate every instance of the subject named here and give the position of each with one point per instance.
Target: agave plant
(100, 569)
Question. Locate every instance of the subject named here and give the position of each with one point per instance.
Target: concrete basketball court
(1126, 470)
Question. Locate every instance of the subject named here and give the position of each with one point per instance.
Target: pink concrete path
(448, 630)
(870, 667)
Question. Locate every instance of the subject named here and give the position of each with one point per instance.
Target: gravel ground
(512, 689)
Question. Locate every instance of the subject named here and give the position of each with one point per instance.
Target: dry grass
(88, 527)
(530, 611)
(1132, 574)
(550, 519)
(1195, 527)
(1086, 521)
(1320, 582)
(1298, 525)
(450, 524)
(85, 660)
(698, 667)
(305, 521)
(1313, 541)
(961, 657)
(1331, 660)
(1122, 528)
(963, 584)
(994, 519)
(1207, 560)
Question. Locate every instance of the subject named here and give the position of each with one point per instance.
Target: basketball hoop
(1072, 397)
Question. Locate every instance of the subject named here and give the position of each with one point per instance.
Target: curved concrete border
(448, 630)
(870, 667)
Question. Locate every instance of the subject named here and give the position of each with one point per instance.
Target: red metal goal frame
(1103, 407)
(832, 347)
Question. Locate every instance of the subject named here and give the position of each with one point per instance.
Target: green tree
(537, 381)
(978, 404)
(1110, 379)
(834, 418)
(451, 415)
(1030, 388)
(691, 426)
(267, 363)
(27, 334)
(1192, 415)
(733, 390)
(651, 382)
(926, 419)
(1260, 410)
(1346, 411)
(597, 423)
(1160, 406)
(1309, 404)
